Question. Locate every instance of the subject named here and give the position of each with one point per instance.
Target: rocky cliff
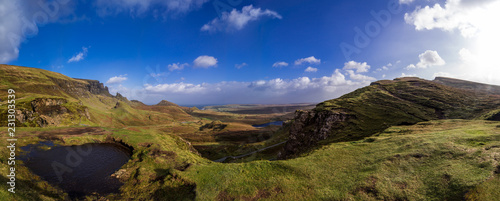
(80, 87)
(43, 112)
(310, 127)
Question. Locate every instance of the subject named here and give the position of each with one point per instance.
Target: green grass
(424, 162)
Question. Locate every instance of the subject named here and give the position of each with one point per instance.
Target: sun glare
(487, 44)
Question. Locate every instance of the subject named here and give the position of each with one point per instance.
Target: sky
(194, 52)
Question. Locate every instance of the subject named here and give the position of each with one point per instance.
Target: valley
(402, 139)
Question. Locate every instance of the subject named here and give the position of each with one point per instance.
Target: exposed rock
(310, 127)
(117, 105)
(120, 97)
(78, 88)
(49, 112)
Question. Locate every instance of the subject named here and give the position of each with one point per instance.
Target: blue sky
(241, 51)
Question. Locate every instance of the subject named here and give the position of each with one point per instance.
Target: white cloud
(406, 1)
(464, 15)
(427, 59)
(411, 66)
(239, 66)
(280, 64)
(237, 20)
(205, 61)
(359, 67)
(442, 74)
(410, 75)
(311, 70)
(17, 22)
(309, 60)
(302, 89)
(386, 67)
(140, 7)
(79, 56)
(360, 77)
(117, 79)
(177, 66)
(466, 55)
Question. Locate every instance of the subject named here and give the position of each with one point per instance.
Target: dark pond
(275, 123)
(78, 170)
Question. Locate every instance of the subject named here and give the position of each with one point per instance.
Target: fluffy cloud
(237, 20)
(359, 67)
(239, 66)
(309, 60)
(79, 56)
(406, 1)
(280, 64)
(427, 59)
(360, 77)
(20, 19)
(176, 66)
(117, 79)
(205, 61)
(139, 7)
(311, 70)
(302, 89)
(466, 55)
(465, 15)
(411, 75)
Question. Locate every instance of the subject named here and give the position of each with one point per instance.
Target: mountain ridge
(385, 103)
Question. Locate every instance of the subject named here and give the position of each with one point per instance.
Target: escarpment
(80, 87)
(310, 127)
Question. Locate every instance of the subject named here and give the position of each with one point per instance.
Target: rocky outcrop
(120, 97)
(44, 112)
(80, 87)
(310, 127)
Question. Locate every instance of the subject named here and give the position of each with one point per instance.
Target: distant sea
(199, 106)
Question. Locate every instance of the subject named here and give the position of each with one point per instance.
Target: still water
(78, 170)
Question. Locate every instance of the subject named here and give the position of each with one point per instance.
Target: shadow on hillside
(173, 187)
(243, 136)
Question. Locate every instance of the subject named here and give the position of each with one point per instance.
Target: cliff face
(310, 127)
(80, 89)
(45, 112)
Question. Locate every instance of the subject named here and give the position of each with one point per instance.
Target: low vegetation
(404, 143)
(437, 160)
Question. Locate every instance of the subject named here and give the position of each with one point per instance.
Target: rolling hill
(402, 139)
(403, 101)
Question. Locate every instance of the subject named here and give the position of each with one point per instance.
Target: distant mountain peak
(166, 103)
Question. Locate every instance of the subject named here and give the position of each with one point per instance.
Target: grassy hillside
(473, 86)
(437, 160)
(392, 154)
(406, 101)
(78, 95)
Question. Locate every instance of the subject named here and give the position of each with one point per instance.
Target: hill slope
(45, 98)
(403, 101)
